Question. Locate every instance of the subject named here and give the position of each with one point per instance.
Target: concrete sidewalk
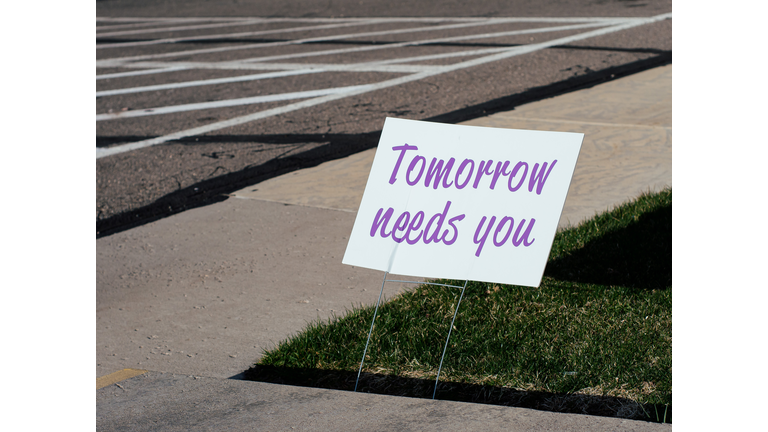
(169, 402)
(204, 292)
(627, 149)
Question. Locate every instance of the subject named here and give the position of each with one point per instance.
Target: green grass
(595, 337)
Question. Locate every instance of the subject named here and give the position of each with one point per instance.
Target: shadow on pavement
(213, 190)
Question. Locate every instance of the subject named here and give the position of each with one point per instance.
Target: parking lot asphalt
(195, 102)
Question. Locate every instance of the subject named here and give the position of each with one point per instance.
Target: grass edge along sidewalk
(594, 338)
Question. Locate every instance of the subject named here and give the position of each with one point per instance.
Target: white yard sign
(463, 202)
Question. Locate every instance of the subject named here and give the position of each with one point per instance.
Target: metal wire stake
(449, 338)
(371, 330)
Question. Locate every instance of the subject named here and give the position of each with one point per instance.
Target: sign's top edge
(534, 131)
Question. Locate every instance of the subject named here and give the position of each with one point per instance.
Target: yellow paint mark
(118, 376)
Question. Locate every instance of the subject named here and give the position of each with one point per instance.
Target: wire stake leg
(371, 330)
(447, 339)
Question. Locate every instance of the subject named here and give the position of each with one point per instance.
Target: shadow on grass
(422, 388)
(638, 256)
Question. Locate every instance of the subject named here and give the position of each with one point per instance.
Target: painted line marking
(274, 31)
(352, 67)
(237, 65)
(377, 66)
(226, 65)
(139, 72)
(371, 66)
(103, 152)
(116, 377)
(388, 19)
(229, 102)
(325, 67)
(171, 19)
(422, 42)
(112, 61)
(121, 60)
(232, 35)
(180, 28)
(109, 27)
(254, 21)
(213, 81)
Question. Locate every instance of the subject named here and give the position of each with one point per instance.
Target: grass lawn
(594, 338)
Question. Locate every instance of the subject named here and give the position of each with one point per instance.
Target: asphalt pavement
(196, 101)
(371, 8)
(193, 299)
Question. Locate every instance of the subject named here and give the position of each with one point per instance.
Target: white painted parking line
(252, 21)
(171, 19)
(121, 60)
(524, 49)
(233, 35)
(110, 27)
(388, 19)
(102, 152)
(368, 67)
(351, 67)
(522, 19)
(519, 32)
(229, 103)
(213, 81)
(314, 67)
(467, 53)
(114, 62)
(139, 72)
(376, 66)
(180, 28)
(296, 29)
(422, 42)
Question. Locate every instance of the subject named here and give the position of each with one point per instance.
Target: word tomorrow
(439, 172)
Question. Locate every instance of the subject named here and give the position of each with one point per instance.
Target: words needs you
(443, 227)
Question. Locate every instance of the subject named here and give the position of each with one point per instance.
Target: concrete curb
(171, 402)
